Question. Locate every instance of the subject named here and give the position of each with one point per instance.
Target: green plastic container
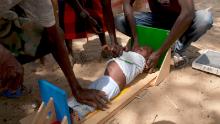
(152, 37)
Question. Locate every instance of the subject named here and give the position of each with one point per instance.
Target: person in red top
(179, 16)
(88, 16)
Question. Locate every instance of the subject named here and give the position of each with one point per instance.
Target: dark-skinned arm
(109, 20)
(93, 98)
(128, 11)
(61, 56)
(180, 26)
(116, 48)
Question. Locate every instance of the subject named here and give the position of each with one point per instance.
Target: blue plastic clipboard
(59, 96)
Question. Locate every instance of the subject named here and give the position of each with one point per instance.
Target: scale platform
(209, 61)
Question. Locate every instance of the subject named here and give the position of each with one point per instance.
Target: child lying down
(119, 73)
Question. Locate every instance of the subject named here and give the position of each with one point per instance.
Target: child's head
(144, 51)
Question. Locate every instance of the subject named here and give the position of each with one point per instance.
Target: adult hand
(106, 51)
(136, 46)
(152, 62)
(106, 48)
(94, 98)
(126, 48)
(116, 50)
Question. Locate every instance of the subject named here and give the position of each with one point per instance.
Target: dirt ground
(187, 96)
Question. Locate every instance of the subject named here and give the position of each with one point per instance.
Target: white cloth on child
(107, 85)
(131, 64)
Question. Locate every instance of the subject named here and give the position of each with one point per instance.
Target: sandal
(17, 93)
(12, 94)
(180, 61)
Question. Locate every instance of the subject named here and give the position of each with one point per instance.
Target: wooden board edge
(28, 119)
(164, 69)
(64, 121)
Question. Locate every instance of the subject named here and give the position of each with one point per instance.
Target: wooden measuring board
(164, 69)
(128, 94)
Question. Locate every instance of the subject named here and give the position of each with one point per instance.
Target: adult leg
(102, 38)
(122, 25)
(11, 74)
(69, 45)
(201, 23)
(143, 18)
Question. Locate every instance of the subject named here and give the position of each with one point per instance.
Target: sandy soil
(187, 96)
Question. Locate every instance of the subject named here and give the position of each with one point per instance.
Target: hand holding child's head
(144, 51)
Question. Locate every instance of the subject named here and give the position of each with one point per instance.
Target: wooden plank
(38, 116)
(125, 97)
(164, 69)
(42, 114)
(50, 108)
(64, 121)
(28, 119)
